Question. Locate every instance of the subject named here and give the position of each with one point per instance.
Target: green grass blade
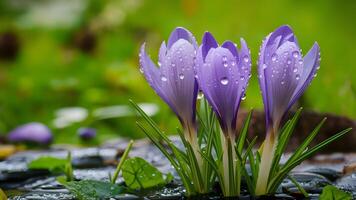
(275, 182)
(243, 133)
(305, 143)
(300, 188)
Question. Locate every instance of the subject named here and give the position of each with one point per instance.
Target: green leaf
(139, 174)
(332, 193)
(92, 189)
(2, 195)
(52, 164)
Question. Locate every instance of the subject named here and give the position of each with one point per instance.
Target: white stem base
(265, 165)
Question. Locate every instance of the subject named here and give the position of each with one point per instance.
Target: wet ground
(96, 163)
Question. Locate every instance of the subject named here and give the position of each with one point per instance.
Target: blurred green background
(56, 54)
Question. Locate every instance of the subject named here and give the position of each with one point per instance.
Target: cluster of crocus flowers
(221, 73)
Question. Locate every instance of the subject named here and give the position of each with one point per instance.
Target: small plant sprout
(122, 160)
(284, 74)
(223, 73)
(68, 168)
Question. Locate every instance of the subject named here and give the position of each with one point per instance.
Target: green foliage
(122, 161)
(139, 174)
(92, 189)
(2, 195)
(332, 193)
(197, 176)
(278, 172)
(52, 164)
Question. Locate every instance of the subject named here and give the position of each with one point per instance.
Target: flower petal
(232, 47)
(181, 33)
(208, 43)
(152, 75)
(311, 65)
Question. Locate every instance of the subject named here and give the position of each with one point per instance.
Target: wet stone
(330, 174)
(45, 195)
(348, 183)
(312, 183)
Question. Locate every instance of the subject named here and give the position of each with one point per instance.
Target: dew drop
(163, 78)
(295, 54)
(289, 61)
(242, 78)
(224, 81)
(246, 59)
(233, 63)
(264, 66)
(295, 69)
(315, 75)
(141, 70)
(224, 58)
(282, 82)
(159, 63)
(181, 76)
(173, 64)
(243, 97)
(297, 76)
(274, 57)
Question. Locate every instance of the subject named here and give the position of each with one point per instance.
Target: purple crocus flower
(174, 80)
(86, 133)
(31, 132)
(223, 73)
(283, 73)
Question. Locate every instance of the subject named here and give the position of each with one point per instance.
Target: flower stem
(122, 160)
(266, 163)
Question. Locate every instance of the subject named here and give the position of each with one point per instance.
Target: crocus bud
(86, 133)
(284, 73)
(31, 132)
(223, 73)
(174, 79)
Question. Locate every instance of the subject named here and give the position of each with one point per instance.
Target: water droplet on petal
(242, 78)
(297, 76)
(173, 64)
(289, 61)
(264, 66)
(295, 69)
(243, 97)
(274, 57)
(141, 70)
(224, 58)
(163, 78)
(315, 75)
(159, 64)
(282, 82)
(300, 61)
(181, 76)
(246, 59)
(295, 54)
(224, 81)
(233, 63)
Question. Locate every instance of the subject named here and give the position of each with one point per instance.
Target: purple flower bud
(86, 133)
(31, 132)
(174, 79)
(284, 73)
(223, 73)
